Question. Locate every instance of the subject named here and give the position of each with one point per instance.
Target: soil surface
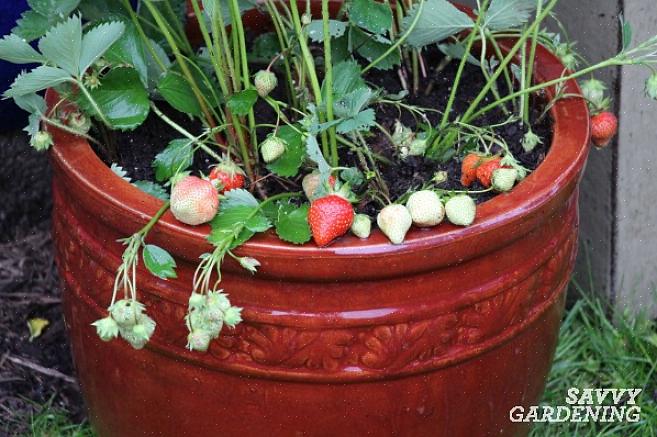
(134, 151)
(32, 373)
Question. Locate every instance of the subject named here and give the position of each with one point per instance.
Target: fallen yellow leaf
(36, 327)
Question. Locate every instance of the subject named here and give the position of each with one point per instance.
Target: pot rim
(503, 215)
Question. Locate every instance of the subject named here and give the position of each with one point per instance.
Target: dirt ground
(35, 372)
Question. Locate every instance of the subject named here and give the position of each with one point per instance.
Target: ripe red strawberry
(469, 169)
(194, 201)
(330, 217)
(486, 169)
(603, 128)
(227, 176)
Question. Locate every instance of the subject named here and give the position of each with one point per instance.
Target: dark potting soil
(134, 151)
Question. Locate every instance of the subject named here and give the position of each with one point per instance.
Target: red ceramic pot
(442, 335)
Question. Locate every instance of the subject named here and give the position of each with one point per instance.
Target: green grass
(53, 422)
(592, 353)
(596, 353)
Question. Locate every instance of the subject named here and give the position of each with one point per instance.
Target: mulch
(38, 372)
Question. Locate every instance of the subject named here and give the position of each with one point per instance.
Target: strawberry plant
(322, 122)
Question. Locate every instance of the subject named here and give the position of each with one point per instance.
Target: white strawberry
(198, 340)
(426, 208)
(461, 210)
(362, 226)
(504, 179)
(272, 148)
(194, 201)
(265, 81)
(394, 221)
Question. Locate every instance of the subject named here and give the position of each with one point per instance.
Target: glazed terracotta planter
(442, 335)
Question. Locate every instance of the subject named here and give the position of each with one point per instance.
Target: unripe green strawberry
(79, 122)
(651, 86)
(197, 300)
(504, 179)
(272, 148)
(394, 221)
(265, 81)
(425, 208)
(196, 319)
(107, 328)
(594, 91)
(233, 316)
(461, 210)
(41, 141)
(138, 334)
(362, 226)
(126, 312)
(198, 340)
(217, 299)
(194, 201)
(530, 141)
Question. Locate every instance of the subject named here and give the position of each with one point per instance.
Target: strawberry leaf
(178, 93)
(155, 190)
(242, 102)
(315, 29)
(62, 45)
(122, 98)
(159, 262)
(288, 164)
(439, 20)
(371, 15)
(96, 42)
(176, 157)
(16, 50)
(371, 48)
(44, 14)
(129, 49)
(36, 80)
(238, 197)
(507, 14)
(292, 223)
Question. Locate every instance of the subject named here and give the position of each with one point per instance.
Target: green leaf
(265, 47)
(371, 15)
(439, 19)
(44, 14)
(155, 190)
(32, 103)
(626, 26)
(122, 98)
(292, 223)
(178, 93)
(210, 5)
(176, 157)
(155, 71)
(31, 25)
(36, 80)
(159, 262)
(62, 45)
(371, 49)
(289, 163)
(94, 10)
(96, 42)
(347, 77)
(238, 197)
(53, 7)
(129, 49)
(315, 154)
(363, 121)
(507, 14)
(315, 29)
(349, 105)
(242, 102)
(258, 223)
(16, 50)
(457, 51)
